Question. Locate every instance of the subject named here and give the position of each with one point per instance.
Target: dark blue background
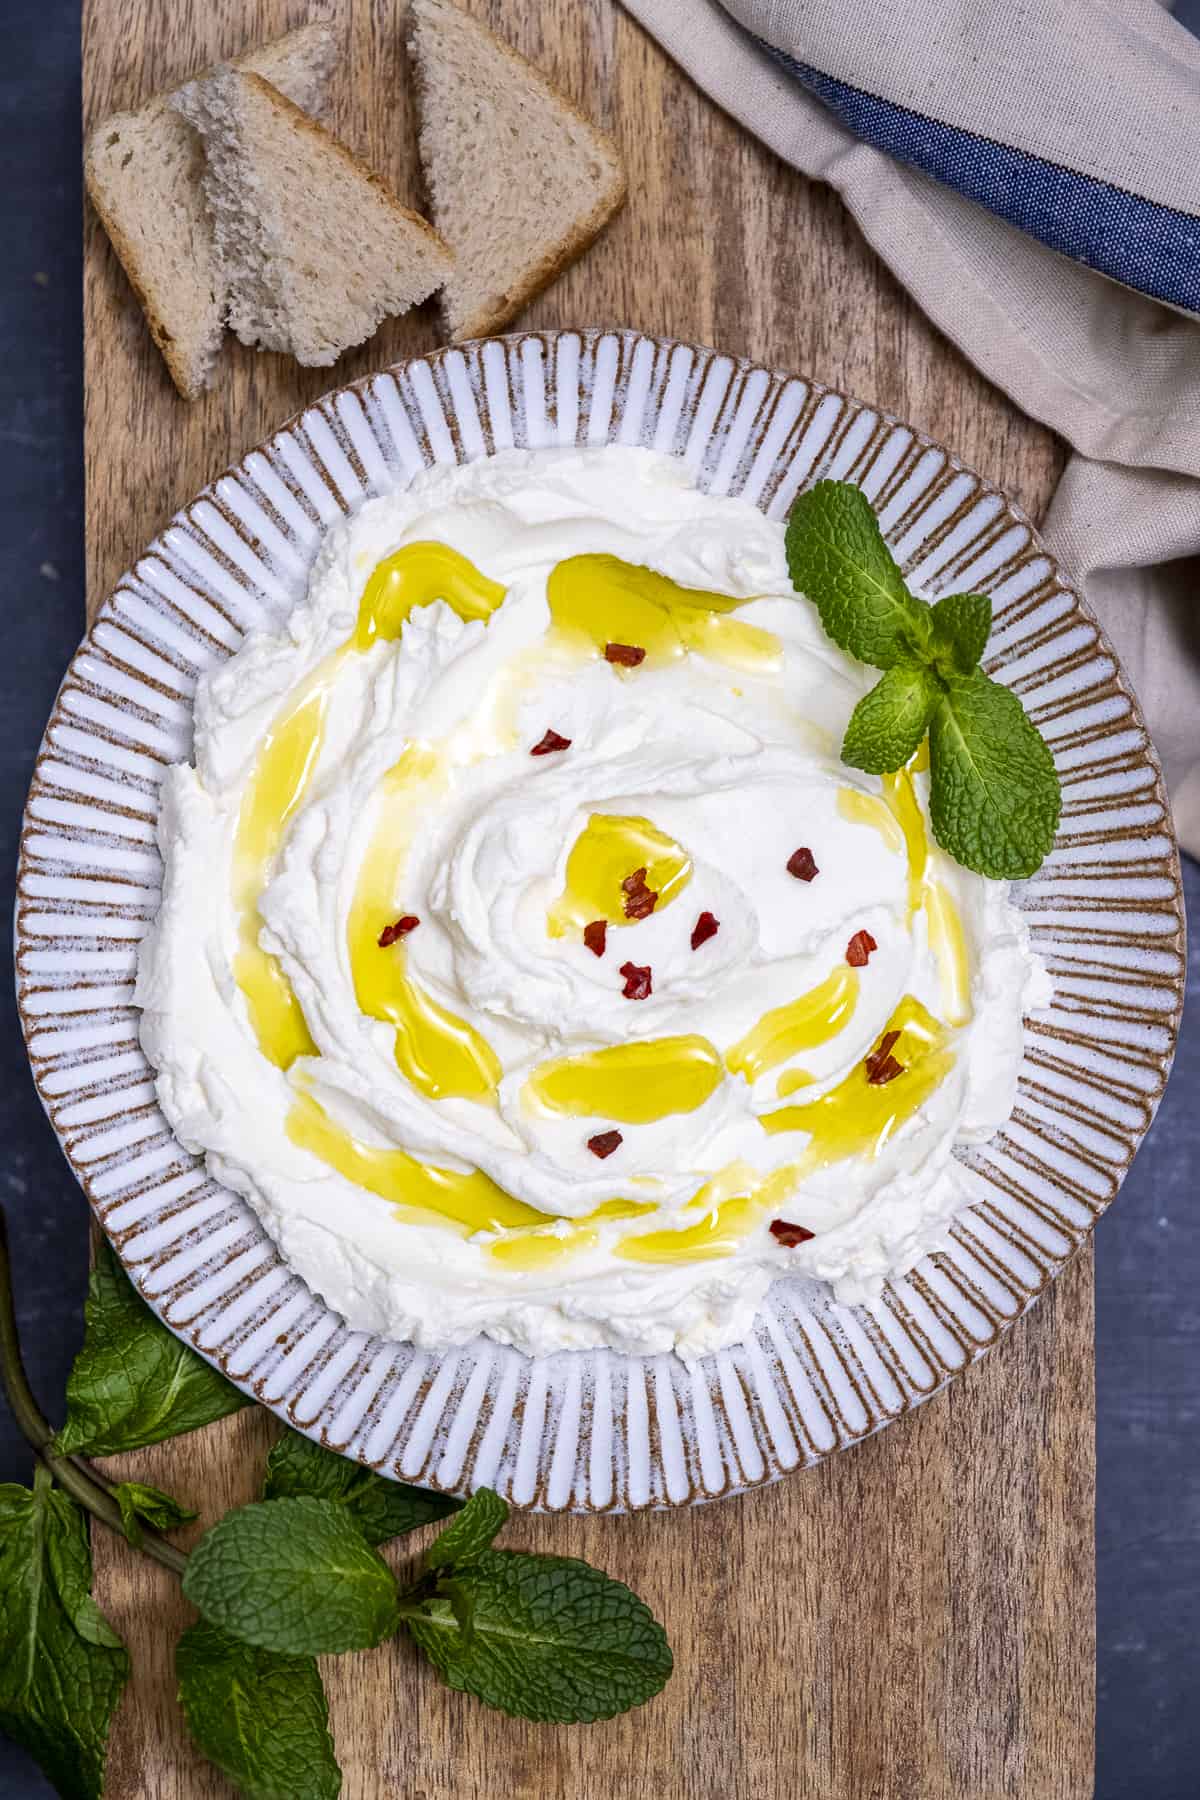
(1147, 1249)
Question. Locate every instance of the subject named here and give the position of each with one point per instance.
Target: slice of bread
(520, 183)
(313, 249)
(143, 171)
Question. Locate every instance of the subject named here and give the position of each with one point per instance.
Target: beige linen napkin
(1116, 373)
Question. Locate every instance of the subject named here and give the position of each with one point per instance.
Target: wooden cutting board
(914, 1619)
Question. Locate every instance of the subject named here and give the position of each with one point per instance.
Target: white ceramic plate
(593, 1429)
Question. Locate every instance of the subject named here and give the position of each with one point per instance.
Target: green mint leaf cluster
(994, 795)
(141, 1504)
(134, 1383)
(540, 1637)
(381, 1509)
(259, 1716)
(62, 1666)
(278, 1583)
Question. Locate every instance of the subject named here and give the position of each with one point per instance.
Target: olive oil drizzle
(599, 600)
(897, 816)
(413, 576)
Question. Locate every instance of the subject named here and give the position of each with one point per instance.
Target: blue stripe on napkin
(1136, 241)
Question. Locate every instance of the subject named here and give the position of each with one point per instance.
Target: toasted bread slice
(519, 182)
(312, 248)
(143, 172)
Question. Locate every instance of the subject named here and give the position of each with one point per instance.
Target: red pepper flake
(885, 1071)
(628, 655)
(392, 933)
(802, 865)
(640, 900)
(604, 1143)
(594, 936)
(637, 981)
(881, 1054)
(551, 742)
(789, 1235)
(706, 926)
(859, 949)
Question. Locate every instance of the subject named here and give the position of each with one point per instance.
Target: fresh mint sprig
(539, 1637)
(279, 1582)
(994, 796)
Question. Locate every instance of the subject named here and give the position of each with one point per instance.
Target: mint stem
(83, 1483)
(25, 1409)
(412, 1612)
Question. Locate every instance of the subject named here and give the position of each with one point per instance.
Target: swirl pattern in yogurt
(433, 825)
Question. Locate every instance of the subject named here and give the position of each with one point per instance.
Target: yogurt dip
(527, 956)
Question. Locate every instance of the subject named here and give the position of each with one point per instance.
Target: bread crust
(190, 375)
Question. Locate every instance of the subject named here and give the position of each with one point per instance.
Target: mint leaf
(472, 1531)
(994, 794)
(380, 1508)
(295, 1576)
(139, 1502)
(134, 1383)
(62, 1666)
(961, 625)
(836, 555)
(258, 1716)
(550, 1639)
(888, 723)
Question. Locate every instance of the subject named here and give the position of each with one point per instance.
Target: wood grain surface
(914, 1619)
